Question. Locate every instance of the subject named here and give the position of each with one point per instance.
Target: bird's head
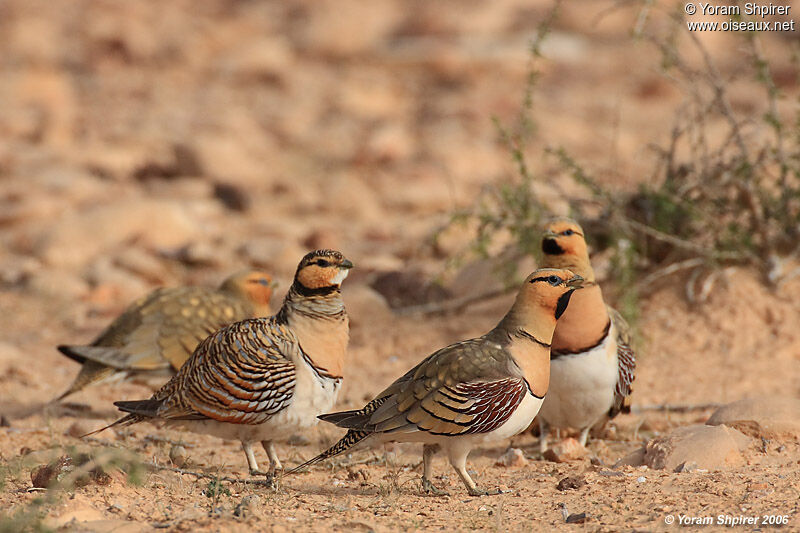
(549, 289)
(564, 246)
(322, 270)
(253, 285)
(564, 236)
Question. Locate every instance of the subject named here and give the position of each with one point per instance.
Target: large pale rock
(80, 236)
(364, 303)
(707, 447)
(771, 417)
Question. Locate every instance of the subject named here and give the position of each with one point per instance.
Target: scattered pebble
(577, 518)
(247, 505)
(512, 458)
(76, 430)
(45, 476)
(178, 455)
(686, 466)
(641, 479)
(571, 482)
(358, 474)
(566, 450)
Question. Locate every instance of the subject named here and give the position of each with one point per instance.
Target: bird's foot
(271, 478)
(490, 492)
(430, 488)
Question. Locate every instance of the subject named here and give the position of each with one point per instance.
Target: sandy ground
(148, 144)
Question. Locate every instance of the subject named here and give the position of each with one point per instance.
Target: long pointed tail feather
(350, 439)
(71, 352)
(126, 420)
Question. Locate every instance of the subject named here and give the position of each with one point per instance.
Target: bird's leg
(274, 462)
(275, 465)
(457, 454)
(584, 435)
(428, 451)
(251, 459)
(544, 432)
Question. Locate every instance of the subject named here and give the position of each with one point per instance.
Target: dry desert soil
(164, 143)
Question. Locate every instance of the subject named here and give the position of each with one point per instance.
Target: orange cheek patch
(259, 294)
(314, 277)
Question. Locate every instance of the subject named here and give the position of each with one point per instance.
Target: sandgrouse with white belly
(262, 379)
(479, 390)
(153, 337)
(592, 363)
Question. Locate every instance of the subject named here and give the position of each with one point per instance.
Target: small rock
(25, 451)
(232, 196)
(322, 238)
(178, 455)
(358, 474)
(247, 505)
(404, 288)
(4, 422)
(76, 430)
(571, 482)
(182, 161)
(577, 518)
(686, 466)
(566, 450)
(195, 254)
(635, 458)
(46, 475)
(641, 479)
(512, 458)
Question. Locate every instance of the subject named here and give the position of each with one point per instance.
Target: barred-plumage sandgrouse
(480, 390)
(155, 335)
(592, 364)
(263, 379)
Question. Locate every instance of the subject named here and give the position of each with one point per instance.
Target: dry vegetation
(144, 144)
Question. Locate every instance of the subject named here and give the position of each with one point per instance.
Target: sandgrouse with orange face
(472, 392)
(263, 379)
(155, 335)
(592, 364)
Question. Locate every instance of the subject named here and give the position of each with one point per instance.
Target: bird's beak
(346, 264)
(274, 284)
(550, 234)
(576, 282)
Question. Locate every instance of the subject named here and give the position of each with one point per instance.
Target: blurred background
(147, 143)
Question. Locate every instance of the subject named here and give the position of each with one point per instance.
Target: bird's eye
(567, 233)
(554, 280)
(323, 263)
(264, 282)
